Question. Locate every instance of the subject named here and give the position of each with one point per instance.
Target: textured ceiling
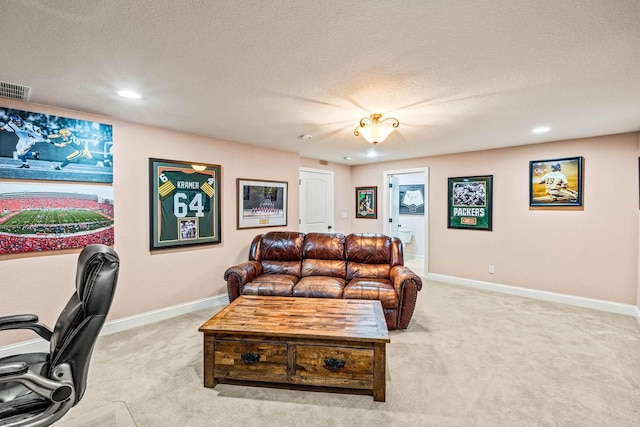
(459, 75)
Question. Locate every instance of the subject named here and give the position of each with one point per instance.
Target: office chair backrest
(79, 324)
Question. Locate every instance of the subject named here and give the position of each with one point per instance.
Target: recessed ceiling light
(371, 153)
(305, 136)
(129, 94)
(541, 129)
(347, 158)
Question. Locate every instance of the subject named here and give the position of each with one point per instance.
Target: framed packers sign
(184, 203)
(470, 202)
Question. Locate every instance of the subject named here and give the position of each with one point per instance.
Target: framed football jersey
(184, 203)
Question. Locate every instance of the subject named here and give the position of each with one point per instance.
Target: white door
(316, 201)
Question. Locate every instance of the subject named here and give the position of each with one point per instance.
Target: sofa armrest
(407, 285)
(239, 275)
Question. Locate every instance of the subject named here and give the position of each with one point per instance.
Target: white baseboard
(125, 323)
(119, 325)
(608, 306)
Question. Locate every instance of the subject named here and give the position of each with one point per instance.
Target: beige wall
(42, 283)
(590, 253)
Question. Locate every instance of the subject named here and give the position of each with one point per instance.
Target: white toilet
(405, 235)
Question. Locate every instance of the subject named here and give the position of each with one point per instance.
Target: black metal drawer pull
(333, 364)
(250, 358)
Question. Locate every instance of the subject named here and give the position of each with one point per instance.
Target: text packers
(479, 212)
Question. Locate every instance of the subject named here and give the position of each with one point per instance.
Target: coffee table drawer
(250, 360)
(333, 366)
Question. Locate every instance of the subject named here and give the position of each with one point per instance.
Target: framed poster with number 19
(184, 203)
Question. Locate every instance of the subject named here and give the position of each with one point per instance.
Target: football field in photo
(48, 217)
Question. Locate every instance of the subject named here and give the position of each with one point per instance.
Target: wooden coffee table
(303, 342)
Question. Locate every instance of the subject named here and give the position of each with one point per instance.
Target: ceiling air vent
(14, 91)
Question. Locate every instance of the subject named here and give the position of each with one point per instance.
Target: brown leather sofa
(329, 265)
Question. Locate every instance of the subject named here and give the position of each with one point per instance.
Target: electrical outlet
(492, 269)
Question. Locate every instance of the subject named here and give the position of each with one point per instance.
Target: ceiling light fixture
(129, 94)
(375, 130)
(541, 129)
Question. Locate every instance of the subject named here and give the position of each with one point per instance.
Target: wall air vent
(14, 91)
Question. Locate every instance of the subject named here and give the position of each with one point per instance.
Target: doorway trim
(385, 205)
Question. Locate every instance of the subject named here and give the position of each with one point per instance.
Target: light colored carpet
(469, 358)
(115, 414)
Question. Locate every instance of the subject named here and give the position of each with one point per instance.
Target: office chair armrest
(25, 321)
(18, 318)
(56, 391)
(18, 368)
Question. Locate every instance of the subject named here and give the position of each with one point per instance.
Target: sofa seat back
(323, 255)
(323, 266)
(279, 252)
(371, 256)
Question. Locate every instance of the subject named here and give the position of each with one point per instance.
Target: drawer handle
(250, 358)
(333, 364)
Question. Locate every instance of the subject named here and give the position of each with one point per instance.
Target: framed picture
(261, 203)
(555, 182)
(41, 146)
(470, 202)
(42, 216)
(184, 203)
(367, 202)
(411, 199)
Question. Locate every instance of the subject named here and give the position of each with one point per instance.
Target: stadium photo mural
(41, 146)
(184, 203)
(45, 217)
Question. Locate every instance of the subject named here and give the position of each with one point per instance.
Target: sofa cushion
(374, 249)
(271, 285)
(323, 255)
(281, 246)
(280, 252)
(324, 267)
(356, 270)
(319, 287)
(324, 246)
(368, 248)
(292, 268)
(379, 289)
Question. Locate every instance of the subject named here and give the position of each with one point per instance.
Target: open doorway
(406, 214)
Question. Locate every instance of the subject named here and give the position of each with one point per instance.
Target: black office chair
(37, 389)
